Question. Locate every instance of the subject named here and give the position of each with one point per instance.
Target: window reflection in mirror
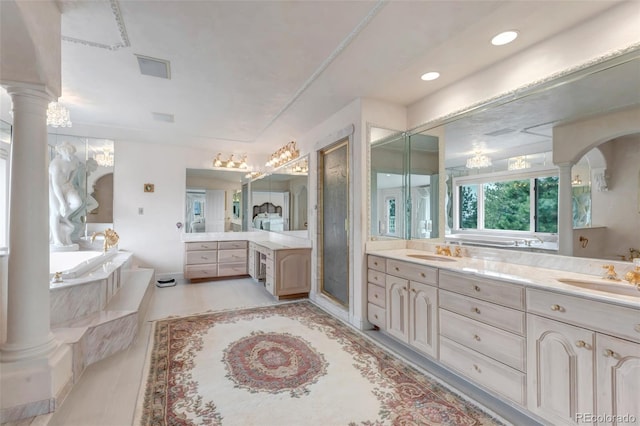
(5, 155)
(279, 201)
(213, 201)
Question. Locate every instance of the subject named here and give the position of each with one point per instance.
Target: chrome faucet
(111, 238)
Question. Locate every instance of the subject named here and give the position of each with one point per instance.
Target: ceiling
(249, 76)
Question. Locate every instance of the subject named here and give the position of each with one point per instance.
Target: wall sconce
(230, 163)
(284, 155)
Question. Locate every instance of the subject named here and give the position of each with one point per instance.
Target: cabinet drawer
(413, 272)
(499, 316)
(236, 255)
(223, 245)
(230, 269)
(268, 266)
(493, 342)
(506, 294)
(377, 263)
(376, 295)
(204, 256)
(376, 315)
(206, 245)
(200, 271)
(599, 316)
(484, 371)
(375, 277)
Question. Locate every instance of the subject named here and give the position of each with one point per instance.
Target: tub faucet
(111, 238)
(611, 273)
(633, 277)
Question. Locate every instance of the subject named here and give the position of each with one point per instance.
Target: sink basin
(432, 257)
(621, 287)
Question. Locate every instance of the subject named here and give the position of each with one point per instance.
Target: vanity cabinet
(212, 259)
(482, 332)
(286, 271)
(580, 361)
(411, 305)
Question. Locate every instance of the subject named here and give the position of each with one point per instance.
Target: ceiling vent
(159, 116)
(154, 67)
(500, 132)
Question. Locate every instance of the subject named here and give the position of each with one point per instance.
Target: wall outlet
(140, 210)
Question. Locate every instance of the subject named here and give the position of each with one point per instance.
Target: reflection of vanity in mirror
(279, 201)
(504, 169)
(213, 201)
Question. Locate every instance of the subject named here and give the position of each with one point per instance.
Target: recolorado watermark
(605, 418)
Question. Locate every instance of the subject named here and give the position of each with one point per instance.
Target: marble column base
(35, 386)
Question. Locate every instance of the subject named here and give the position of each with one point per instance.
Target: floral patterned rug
(287, 364)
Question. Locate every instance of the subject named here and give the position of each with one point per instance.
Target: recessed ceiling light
(505, 37)
(431, 75)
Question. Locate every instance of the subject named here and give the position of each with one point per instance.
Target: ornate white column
(565, 210)
(35, 367)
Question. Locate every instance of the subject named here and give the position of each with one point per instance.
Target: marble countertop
(528, 276)
(266, 239)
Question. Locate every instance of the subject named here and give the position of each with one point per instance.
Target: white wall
(153, 236)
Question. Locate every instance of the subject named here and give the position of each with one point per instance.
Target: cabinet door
(397, 307)
(423, 318)
(293, 272)
(559, 370)
(618, 366)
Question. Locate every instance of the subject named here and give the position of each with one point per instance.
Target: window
(507, 201)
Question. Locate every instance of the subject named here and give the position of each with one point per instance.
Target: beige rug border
(139, 409)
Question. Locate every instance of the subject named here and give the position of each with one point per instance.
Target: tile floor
(107, 392)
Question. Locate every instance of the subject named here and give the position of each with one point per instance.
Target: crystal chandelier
(478, 161)
(105, 158)
(58, 115)
(284, 155)
(518, 163)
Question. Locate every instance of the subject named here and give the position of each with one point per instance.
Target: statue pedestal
(70, 247)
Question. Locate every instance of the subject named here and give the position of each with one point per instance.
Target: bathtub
(74, 264)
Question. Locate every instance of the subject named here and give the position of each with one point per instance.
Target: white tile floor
(107, 391)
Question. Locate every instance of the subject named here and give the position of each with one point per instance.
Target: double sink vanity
(284, 265)
(562, 345)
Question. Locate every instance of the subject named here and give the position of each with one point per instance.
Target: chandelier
(105, 158)
(518, 163)
(284, 155)
(230, 163)
(478, 161)
(58, 115)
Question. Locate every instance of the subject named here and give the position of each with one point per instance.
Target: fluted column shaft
(28, 324)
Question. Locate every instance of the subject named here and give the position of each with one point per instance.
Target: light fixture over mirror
(230, 163)
(283, 155)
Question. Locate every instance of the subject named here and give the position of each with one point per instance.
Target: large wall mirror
(502, 180)
(280, 200)
(404, 185)
(214, 201)
(91, 166)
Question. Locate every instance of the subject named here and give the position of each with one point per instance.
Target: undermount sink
(621, 287)
(432, 257)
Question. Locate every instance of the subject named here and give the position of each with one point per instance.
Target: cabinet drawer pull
(476, 337)
(397, 269)
(476, 310)
(204, 246)
(375, 295)
(413, 290)
(375, 263)
(556, 308)
(423, 275)
(609, 353)
(475, 367)
(204, 257)
(375, 316)
(581, 344)
(476, 288)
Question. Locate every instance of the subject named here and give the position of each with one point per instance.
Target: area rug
(287, 364)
